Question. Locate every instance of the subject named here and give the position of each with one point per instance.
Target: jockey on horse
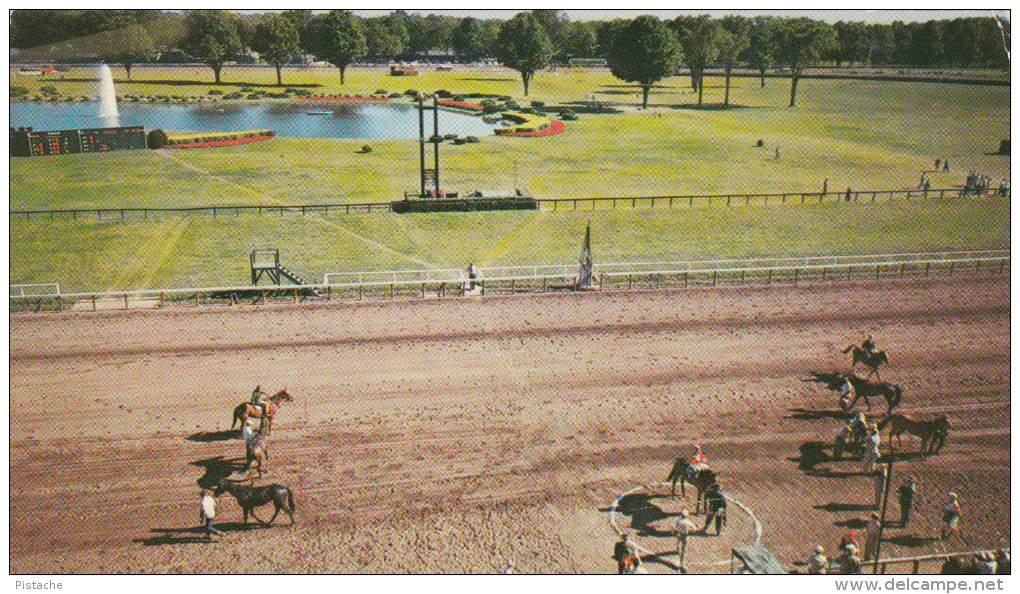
(868, 345)
(256, 401)
(698, 463)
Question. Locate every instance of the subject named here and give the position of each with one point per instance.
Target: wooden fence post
(196, 298)
(796, 276)
(483, 286)
(391, 290)
(768, 280)
(951, 268)
(329, 293)
(60, 303)
(161, 299)
(877, 268)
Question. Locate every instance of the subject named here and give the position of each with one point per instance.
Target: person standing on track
(207, 513)
(715, 506)
(907, 492)
(880, 476)
(684, 527)
(818, 564)
(950, 517)
(871, 454)
(623, 549)
(871, 538)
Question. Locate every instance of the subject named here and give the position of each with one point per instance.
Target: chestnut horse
(871, 361)
(247, 409)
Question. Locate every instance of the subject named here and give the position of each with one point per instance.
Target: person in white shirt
(818, 563)
(207, 513)
(684, 527)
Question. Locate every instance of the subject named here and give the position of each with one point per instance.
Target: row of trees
(642, 50)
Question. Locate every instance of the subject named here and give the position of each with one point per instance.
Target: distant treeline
(960, 42)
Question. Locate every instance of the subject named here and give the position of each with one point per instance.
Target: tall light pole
(421, 143)
(435, 137)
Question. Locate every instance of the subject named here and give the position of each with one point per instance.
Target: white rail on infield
(565, 272)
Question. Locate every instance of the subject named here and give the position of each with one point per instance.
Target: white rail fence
(609, 276)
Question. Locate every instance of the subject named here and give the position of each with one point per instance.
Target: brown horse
(251, 497)
(247, 409)
(932, 433)
(258, 452)
(683, 471)
(871, 361)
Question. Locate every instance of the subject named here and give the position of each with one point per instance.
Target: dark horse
(871, 361)
(247, 409)
(863, 388)
(932, 433)
(700, 479)
(251, 497)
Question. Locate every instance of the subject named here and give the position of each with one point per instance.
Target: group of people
(980, 184)
(208, 501)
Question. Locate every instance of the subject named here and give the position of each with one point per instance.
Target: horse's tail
(885, 421)
(236, 417)
(847, 349)
(677, 470)
(290, 499)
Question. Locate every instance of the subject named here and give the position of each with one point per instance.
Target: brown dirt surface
(450, 436)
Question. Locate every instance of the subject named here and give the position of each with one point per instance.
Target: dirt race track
(452, 435)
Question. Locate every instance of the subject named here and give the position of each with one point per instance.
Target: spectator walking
(777, 152)
(849, 562)
(937, 163)
(715, 506)
(924, 178)
(684, 527)
(871, 454)
(950, 517)
(880, 475)
(818, 564)
(825, 187)
(207, 513)
(907, 492)
(871, 538)
(945, 164)
(623, 549)
(848, 193)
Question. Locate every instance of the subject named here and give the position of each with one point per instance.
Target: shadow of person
(841, 507)
(812, 453)
(855, 523)
(194, 534)
(832, 381)
(208, 436)
(812, 414)
(911, 540)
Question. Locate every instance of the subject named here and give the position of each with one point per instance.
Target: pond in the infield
(301, 120)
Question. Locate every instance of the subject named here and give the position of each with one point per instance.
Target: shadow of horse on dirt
(812, 453)
(911, 541)
(642, 513)
(208, 436)
(842, 507)
(194, 534)
(810, 414)
(833, 381)
(217, 468)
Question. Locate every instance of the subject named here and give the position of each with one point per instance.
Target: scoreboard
(65, 142)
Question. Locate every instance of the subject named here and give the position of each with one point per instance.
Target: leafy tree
(852, 42)
(131, 46)
(801, 42)
(524, 46)
(213, 38)
(398, 30)
(605, 32)
(928, 42)
(580, 40)
(699, 38)
(733, 40)
(761, 45)
(554, 22)
(337, 38)
(880, 44)
(469, 39)
(300, 20)
(381, 43)
(440, 31)
(418, 37)
(644, 52)
(276, 40)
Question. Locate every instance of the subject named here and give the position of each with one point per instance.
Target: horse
(932, 433)
(700, 479)
(247, 409)
(872, 361)
(863, 388)
(257, 451)
(251, 497)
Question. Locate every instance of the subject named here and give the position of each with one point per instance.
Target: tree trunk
(127, 69)
(701, 85)
(762, 72)
(793, 89)
(279, 78)
(342, 69)
(216, 70)
(694, 79)
(726, 101)
(644, 90)
(526, 77)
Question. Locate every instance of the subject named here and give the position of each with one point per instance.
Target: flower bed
(530, 125)
(211, 139)
(554, 127)
(461, 104)
(341, 98)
